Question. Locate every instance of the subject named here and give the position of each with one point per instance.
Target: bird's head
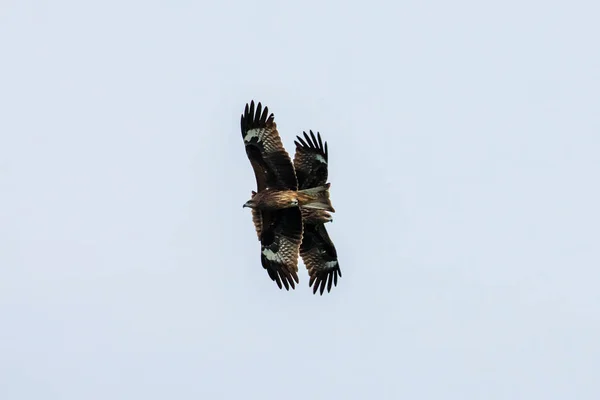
(250, 204)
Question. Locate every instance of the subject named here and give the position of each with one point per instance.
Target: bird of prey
(317, 249)
(277, 201)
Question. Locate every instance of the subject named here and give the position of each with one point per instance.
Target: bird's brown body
(270, 199)
(291, 203)
(275, 199)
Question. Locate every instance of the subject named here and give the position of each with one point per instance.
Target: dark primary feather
(280, 242)
(310, 161)
(320, 257)
(271, 163)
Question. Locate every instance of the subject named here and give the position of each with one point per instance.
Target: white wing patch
(270, 255)
(321, 158)
(331, 264)
(254, 133)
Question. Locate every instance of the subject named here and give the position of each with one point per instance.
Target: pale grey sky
(464, 161)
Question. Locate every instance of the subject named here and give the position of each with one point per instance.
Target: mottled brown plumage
(275, 199)
(281, 209)
(311, 216)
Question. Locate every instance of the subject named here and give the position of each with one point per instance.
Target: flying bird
(276, 204)
(316, 249)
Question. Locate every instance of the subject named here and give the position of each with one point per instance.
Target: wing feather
(280, 244)
(257, 220)
(310, 161)
(272, 165)
(317, 250)
(320, 258)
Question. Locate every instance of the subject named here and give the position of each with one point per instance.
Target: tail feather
(317, 198)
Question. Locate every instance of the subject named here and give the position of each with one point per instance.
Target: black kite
(276, 211)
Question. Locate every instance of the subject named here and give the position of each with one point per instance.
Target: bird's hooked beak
(247, 204)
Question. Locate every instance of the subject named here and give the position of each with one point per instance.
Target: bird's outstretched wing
(271, 163)
(320, 257)
(280, 243)
(317, 250)
(310, 161)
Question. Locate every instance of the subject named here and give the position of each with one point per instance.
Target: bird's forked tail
(317, 198)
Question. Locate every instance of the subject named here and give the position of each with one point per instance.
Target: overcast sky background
(464, 161)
